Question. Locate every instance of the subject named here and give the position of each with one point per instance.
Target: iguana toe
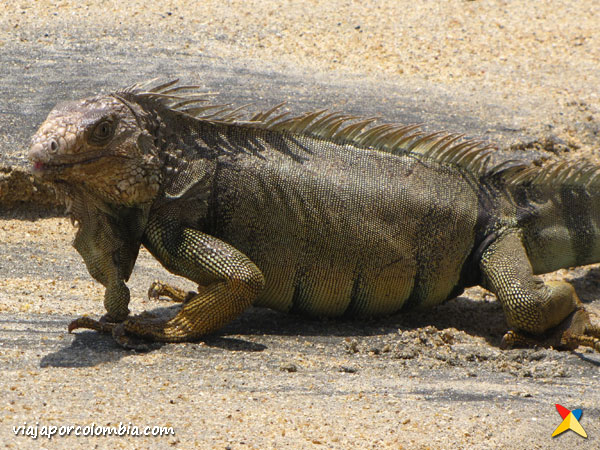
(104, 325)
(161, 291)
(514, 338)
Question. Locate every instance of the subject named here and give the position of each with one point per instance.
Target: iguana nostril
(53, 145)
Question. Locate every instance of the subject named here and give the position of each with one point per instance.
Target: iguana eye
(102, 132)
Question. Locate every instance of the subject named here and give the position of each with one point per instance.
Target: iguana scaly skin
(322, 214)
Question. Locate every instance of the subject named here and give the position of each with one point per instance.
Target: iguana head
(98, 146)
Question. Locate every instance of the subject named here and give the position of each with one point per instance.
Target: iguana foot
(136, 331)
(580, 331)
(116, 329)
(159, 290)
(574, 331)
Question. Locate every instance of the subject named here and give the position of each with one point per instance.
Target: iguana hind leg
(548, 314)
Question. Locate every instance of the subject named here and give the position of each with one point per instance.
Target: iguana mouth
(44, 168)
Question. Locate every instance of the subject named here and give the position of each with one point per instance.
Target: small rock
(288, 367)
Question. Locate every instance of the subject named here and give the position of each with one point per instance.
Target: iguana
(323, 214)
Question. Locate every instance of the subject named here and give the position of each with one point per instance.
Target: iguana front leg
(229, 282)
(548, 314)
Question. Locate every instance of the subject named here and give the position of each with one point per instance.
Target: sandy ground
(523, 74)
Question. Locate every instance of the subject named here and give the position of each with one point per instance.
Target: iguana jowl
(320, 214)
